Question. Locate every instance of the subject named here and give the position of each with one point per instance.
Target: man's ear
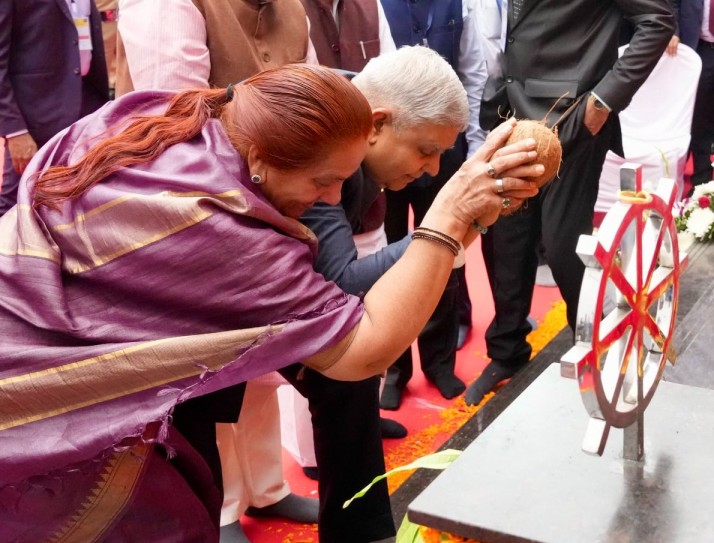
(381, 117)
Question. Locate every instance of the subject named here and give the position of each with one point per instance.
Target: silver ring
(506, 203)
(490, 170)
(499, 185)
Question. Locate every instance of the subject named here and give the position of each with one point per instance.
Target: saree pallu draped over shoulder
(166, 281)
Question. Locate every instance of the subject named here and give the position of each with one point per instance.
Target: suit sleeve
(675, 11)
(653, 24)
(337, 255)
(11, 119)
(362, 273)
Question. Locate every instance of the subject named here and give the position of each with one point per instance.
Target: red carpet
(429, 418)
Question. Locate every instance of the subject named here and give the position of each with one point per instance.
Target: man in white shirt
(490, 21)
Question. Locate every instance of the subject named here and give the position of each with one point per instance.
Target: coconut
(547, 146)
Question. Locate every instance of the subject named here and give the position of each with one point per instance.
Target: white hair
(417, 86)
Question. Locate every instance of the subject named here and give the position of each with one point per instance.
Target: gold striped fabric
(42, 394)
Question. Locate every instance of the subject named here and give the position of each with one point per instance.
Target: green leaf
(409, 532)
(438, 460)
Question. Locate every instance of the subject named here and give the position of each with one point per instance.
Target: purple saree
(166, 281)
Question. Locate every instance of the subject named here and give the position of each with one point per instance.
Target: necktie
(711, 16)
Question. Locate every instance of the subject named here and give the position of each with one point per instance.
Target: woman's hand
(491, 182)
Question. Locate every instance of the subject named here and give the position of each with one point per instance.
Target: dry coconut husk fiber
(548, 147)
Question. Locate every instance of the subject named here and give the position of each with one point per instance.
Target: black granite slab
(694, 335)
(526, 478)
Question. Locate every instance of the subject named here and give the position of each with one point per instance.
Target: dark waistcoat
(435, 23)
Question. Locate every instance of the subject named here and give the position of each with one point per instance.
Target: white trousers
(251, 455)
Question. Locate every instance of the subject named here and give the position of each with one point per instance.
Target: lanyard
(84, 34)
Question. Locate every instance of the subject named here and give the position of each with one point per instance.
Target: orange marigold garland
(430, 535)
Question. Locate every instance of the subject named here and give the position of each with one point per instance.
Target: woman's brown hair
(293, 115)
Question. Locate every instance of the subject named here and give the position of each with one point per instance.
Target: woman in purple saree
(154, 257)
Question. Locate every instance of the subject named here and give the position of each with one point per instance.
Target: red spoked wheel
(626, 311)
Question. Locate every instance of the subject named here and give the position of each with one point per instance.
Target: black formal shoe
(311, 472)
(464, 331)
(391, 429)
(291, 507)
(391, 398)
(233, 533)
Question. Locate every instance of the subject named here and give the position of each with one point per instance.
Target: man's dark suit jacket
(568, 48)
(41, 86)
(689, 21)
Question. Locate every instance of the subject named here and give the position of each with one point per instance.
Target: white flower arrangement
(695, 215)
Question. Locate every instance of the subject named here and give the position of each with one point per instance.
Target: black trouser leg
(196, 419)
(437, 341)
(348, 449)
(567, 212)
(463, 300)
(509, 252)
(703, 118)
(401, 371)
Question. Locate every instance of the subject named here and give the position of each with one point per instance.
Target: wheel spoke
(613, 327)
(653, 236)
(615, 375)
(618, 278)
